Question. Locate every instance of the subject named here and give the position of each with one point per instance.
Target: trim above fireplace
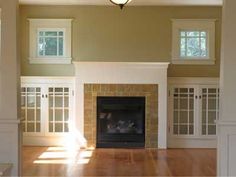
(123, 73)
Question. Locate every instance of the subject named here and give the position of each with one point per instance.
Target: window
(193, 42)
(50, 41)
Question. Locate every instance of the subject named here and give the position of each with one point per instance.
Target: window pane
(193, 49)
(204, 129)
(50, 33)
(59, 127)
(203, 33)
(41, 46)
(51, 46)
(58, 115)
(193, 34)
(61, 33)
(211, 129)
(203, 47)
(193, 44)
(41, 33)
(183, 129)
(182, 46)
(61, 46)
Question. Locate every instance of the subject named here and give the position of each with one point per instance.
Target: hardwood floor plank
(49, 161)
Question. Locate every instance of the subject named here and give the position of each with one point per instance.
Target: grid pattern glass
(193, 44)
(31, 109)
(210, 110)
(50, 43)
(183, 119)
(58, 109)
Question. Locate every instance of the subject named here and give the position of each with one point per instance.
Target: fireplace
(120, 122)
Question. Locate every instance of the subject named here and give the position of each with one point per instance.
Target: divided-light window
(50, 43)
(193, 41)
(193, 44)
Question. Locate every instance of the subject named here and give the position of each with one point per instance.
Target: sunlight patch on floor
(64, 155)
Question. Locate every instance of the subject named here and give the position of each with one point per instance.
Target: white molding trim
(56, 60)
(194, 80)
(124, 73)
(46, 80)
(50, 19)
(192, 19)
(226, 123)
(194, 61)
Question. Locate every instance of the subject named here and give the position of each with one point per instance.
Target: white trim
(193, 61)
(50, 24)
(193, 80)
(46, 80)
(192, 19)
(53, 60)
(193, 24)
(226, 123)
(124, 73)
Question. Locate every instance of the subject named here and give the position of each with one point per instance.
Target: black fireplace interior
(120, 122)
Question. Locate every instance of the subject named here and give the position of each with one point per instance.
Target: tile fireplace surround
(150, 92)
(122, 79)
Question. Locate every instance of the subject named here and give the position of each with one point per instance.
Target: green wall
(135, 34)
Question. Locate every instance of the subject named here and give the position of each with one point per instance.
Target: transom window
(193, 41)
(50, 43)
(193, 44)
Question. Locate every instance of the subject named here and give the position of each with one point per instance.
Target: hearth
(120, 122)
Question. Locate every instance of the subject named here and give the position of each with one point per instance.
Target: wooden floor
(52, 161)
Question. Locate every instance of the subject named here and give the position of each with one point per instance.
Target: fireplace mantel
(123, 73)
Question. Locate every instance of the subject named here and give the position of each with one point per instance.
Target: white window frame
(207, 25)
(51, 25)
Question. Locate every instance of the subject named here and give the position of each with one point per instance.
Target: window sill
(193, 61)
(50, 60)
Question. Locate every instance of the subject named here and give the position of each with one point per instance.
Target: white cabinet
(193, 111)
(46, 109)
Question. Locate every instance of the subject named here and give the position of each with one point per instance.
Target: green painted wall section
(135, 34)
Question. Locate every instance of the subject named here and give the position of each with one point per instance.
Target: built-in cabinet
(193, 111)
(46, 109)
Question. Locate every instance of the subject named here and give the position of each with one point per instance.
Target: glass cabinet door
(58, 109)
(31, 109)
(183, 111)
(210, 110)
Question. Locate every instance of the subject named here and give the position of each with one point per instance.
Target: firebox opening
(120, 122)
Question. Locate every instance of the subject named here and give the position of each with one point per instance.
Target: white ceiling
(133, 2)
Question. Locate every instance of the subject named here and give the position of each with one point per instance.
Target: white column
(9, 86)
(227, 122)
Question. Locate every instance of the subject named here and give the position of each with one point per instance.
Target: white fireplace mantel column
(123, 73)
